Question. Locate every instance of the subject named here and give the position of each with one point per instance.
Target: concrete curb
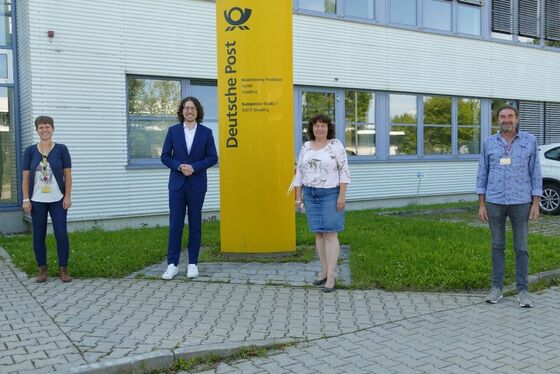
(161, 360)
(535, 278)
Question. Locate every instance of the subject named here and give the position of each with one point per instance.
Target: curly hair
(320, 118)
(198, 106)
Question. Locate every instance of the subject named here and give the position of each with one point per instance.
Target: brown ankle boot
(64, 276)
(42, 276)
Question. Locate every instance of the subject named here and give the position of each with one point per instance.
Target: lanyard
(44, 163)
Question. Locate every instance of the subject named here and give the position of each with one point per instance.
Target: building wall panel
(337, 53)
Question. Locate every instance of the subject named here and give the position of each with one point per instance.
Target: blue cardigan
(58, 158)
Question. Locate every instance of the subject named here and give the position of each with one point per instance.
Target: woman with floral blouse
(320, 181)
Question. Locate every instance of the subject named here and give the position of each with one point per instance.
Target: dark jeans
(39, 214)
(519, 218)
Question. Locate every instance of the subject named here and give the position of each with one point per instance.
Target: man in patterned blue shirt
(509, 183)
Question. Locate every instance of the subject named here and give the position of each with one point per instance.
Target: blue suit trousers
(181, 202)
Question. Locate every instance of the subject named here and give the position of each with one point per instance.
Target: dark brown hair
(44, 120)
(198, 106)
(320, 118)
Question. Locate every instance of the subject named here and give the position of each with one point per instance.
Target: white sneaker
(192, 271)
(171, 272)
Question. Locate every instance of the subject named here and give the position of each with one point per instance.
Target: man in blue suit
(188, 150)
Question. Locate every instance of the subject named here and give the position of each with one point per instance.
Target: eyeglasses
(189, 108)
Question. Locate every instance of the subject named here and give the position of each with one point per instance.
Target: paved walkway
(95, 325)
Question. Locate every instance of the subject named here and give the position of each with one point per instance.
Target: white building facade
(411, 85)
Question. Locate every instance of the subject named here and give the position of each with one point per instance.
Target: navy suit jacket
(202, 156)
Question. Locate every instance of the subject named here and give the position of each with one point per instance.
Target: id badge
(505, 161)
(46, 189)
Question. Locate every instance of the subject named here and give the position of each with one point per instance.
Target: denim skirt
(320, 208)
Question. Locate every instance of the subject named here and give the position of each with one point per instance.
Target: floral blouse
(323, 168)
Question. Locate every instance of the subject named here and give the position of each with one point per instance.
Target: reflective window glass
(208, 97)
(8, 176)
(6, 22)
(153, 97)
(359, 123)
(437, 125)
(146, 136)
(403, 133)
(360, 8)
(469, 129)
(437, 14)
(402, 109)
(469, 19)
(4, 66)
(403, 11)
(324, 6)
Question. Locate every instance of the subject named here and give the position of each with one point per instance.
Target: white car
(550, 167)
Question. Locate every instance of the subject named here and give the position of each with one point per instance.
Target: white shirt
(46, 188)
(323, 168)
(189, 135)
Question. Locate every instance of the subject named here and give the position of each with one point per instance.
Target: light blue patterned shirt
(515, 183)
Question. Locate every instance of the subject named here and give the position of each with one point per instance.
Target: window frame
(516, 35)
(382, 16)
(383, 124)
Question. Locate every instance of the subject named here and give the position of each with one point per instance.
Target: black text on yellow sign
(255, 101)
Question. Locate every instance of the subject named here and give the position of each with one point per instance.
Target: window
(437, 125)
(452, 16)
(152, 108)
(324, 6)
(359, 129)
(8, 177)
(403, 12)
(384, 125)
(437, 14)
(403, 131)
(552, 123)
(6, 23)
(522, 21)
(552, 21)
(468, 19)
(360, 8)
(468, 126)
(553, 154)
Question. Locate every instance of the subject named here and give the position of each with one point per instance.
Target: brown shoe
(42, 276)
(64, 276)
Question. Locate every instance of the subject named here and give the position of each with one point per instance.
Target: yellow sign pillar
(255, 101)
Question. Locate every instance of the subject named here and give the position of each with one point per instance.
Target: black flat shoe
(320, 282)
(328, 289)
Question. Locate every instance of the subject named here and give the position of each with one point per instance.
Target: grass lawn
(393, 252)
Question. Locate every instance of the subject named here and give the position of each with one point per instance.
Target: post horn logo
(236, 17)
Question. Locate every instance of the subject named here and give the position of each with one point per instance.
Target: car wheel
(550, 199)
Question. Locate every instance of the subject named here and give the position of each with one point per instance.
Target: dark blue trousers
(39, 214)
(190, 202)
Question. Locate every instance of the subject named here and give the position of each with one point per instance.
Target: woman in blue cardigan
(47, 189)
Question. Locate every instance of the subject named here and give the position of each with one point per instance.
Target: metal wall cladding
(330, 52)
(407, 179)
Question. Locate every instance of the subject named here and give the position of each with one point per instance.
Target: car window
(553, 154)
